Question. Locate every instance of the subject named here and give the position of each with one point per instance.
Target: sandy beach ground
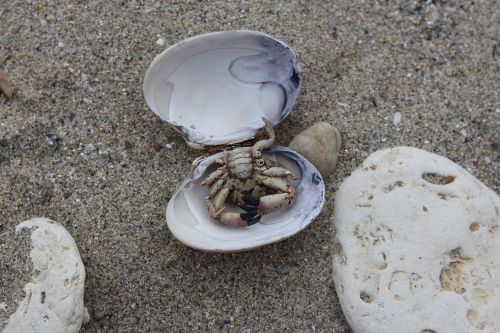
(77, 144)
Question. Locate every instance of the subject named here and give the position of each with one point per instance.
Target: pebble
(320, 144)
(397, 118)
(51, 18)
(160, 42)
(417, 246)
(54, 297)
(3, 158)
(89, 148)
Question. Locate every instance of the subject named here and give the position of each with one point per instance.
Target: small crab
(257, 185)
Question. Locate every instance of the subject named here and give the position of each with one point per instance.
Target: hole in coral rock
(42, 297)
(392, 186)
(446, 196)
(427, 331)
(453, 275)
(471, 315)
(493, 230)
(365, 297)
(474, 226)
(437, 179)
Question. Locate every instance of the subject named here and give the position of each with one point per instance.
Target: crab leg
(198, 160)
(264, 144)
(213, 176)
(277, 172)
(216, 187)
(216, 205)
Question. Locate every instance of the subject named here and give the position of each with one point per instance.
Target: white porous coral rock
(417, 246)
(54, 298)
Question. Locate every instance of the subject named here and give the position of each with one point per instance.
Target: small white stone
(54, 297)
(60, 44)
(168, 146)
(397, 118)
(160, 42)
(89, 149)
(84, 77)
(415, 252)
(487, 160)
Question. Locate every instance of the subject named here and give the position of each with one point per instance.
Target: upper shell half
(215, 88)
(188, 218)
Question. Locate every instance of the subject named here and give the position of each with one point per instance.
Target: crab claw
(272, 202)
(277, 183)
(251, 217)
(239, 220)
(234, 219)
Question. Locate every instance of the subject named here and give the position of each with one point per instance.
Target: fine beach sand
(77, 144)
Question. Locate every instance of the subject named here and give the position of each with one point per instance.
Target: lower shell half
(189, 221)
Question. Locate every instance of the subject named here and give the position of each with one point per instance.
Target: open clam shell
(189, 221)
(215, 88)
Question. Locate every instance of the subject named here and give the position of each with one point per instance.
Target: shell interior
(189, 221)
(215, 88)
